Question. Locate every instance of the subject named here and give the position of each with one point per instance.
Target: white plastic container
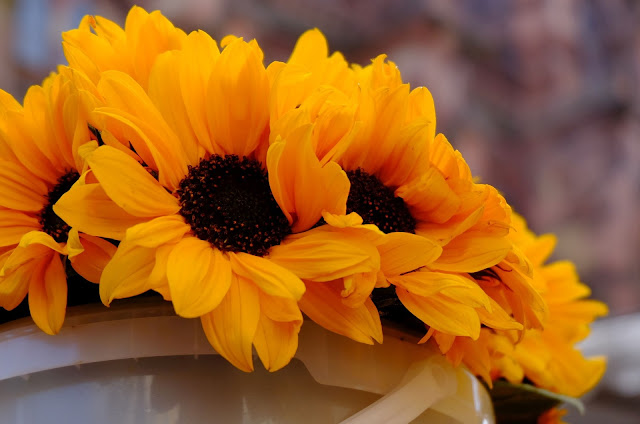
(139, 363)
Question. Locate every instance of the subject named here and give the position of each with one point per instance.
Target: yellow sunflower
(546, 356)
(38, 146)
(411, 184)
(208, 213)
(100, 44)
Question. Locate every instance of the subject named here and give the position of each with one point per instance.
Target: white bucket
(139, 363)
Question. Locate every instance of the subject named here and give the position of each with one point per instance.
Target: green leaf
(524, 403)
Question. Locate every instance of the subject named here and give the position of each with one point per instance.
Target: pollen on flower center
(377, 204)
(228, 202)
(51, 223)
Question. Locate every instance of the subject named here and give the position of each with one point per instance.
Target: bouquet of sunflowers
(250, 196)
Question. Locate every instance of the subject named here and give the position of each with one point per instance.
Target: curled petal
(322, 302)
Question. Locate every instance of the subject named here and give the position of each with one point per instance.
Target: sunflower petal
(271, 278)
(322, 302)
(15, 224)
(239, 79)
(95, 257)
(14, 285)
(129, 185)
(276, 342)
(127, 273)
(321, 255)
(199, 277)
(87, 208)
(404, 252)
(48, 294)
(471, 252)
(158, 231)
(19, 189)
(232, 326)
(302, 187)
(442, 313)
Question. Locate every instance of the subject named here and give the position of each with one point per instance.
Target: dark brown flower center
(228, 202)
(377, 204)
(51, 223)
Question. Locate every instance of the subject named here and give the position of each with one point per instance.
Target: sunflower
(209, 213)
(438, 225)
(38, 145)
(99, 44)
(546, 355)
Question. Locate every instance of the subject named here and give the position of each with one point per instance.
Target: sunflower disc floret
(227, 202)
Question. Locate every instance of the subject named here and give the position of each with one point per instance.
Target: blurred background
(540, 96)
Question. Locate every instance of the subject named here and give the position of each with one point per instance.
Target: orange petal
(322, 302)
(97, 253)
(15, 224)
(232, 326)
(21, 256)
(19, 189)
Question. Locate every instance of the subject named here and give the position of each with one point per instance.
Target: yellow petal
(199, 277)
(127, 183)
(322, 302)
(87, 208)
(442, 313)
(429, 197)
(404, 252)
(161, 230)
(239, 82)
(127, 273)
(427, 283)
(276, 342)
(321, 255)
(301, 186)
(267, 275)
(497, 318)
(44, 239)
(133, 117)
(310, 48)
(166, 94)
(231, 327)
(471, 252)
(22, 256)
(74, 246)
(95, 257)
(197, 58)
(14, 286)
(48, 294)
(342, 221)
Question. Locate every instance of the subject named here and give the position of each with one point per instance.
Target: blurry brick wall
(541, 97)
